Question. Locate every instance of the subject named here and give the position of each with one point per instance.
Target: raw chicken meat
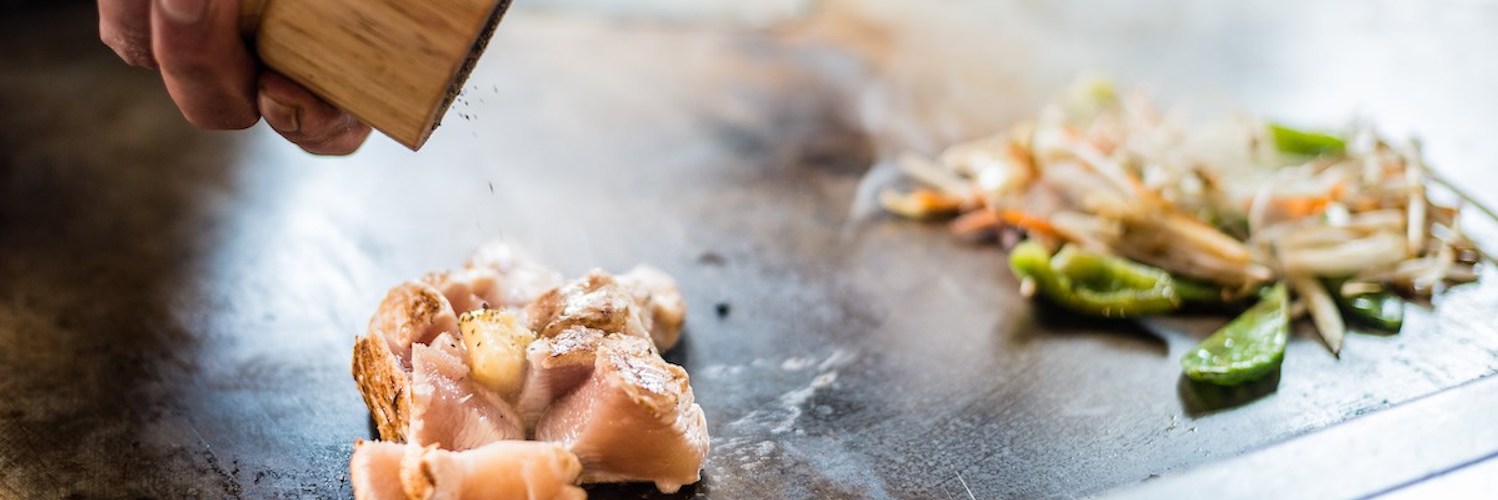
(411, 313)
(467, 289)
(505, 469)
(557, 365)
(633, 419)
(657, 293)
(374, 470)
(521, 278)
(448, 408)
(576, 364)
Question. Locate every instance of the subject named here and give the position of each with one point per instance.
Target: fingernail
(184, 11)
(282, 117)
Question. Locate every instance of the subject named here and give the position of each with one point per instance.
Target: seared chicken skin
(595, 301)
(412, 313)
(644, 303)
(385, 385)
(463, 365)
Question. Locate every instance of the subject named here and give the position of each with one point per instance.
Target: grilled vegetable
(1248, 348)
(1095, 284)
(920, 204)
(1382, 310)
(1201, 293)
(1300, 142)
(1151, 211)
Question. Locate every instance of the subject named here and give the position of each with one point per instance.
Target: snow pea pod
(1248, 348)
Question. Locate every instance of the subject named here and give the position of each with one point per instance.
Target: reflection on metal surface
(1468, 481)
(177, 307)
(1364, 457)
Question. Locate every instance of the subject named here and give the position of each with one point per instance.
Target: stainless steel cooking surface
(177, 307)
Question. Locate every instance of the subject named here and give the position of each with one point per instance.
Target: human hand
(214, 79)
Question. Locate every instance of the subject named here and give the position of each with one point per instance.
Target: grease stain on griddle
(711, 258)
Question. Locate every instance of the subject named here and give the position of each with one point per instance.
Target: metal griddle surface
(177, 307)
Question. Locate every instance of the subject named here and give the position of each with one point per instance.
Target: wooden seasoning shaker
(395, 64)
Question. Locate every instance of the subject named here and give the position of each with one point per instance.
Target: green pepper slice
(1248, 348)
(1095, 284)
(1300, 142)
(1198, 292)
(1382, 310)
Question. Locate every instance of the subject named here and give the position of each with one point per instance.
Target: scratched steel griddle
(177, 307)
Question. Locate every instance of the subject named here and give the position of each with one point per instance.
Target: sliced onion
(1413, 174)
(1380, 250)
(1207, 238)
(1315, 236)
(1323, 311)
(1091, 233)
(924, 171)
(1356, 288)
(1377, 220)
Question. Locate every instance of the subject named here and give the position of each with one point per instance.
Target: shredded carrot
(1098, 163)
(980, 220)
(974, 222)
(1071, 133)
(1306, 206)
(1027, 222)
(1339, 190)
(922, 203)
(1021, 155)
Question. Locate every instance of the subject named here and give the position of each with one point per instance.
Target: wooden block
(395, 64)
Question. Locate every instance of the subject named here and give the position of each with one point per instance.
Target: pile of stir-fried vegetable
(1129, 213)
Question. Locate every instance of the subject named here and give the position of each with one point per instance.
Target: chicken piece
(375, 470)
(555, 367)
(594, 301)
(633, 419)
(504, 469)
(521, 279)
(412, 313)
(467, 289)
(450, 409)
(657, 293)
(385, 385)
